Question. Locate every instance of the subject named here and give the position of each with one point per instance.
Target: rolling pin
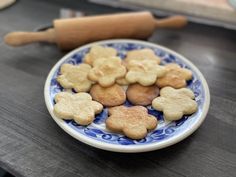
(71, 33)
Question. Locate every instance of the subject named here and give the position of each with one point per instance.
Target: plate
(166, 133)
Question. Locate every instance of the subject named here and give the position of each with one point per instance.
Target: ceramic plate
(166, 134)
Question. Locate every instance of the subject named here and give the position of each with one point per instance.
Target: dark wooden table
(32, 145)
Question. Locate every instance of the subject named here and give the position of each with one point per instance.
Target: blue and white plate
(166, 134)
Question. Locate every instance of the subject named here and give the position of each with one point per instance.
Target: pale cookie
(134, 121)
(97, 52)
(75, 76)
(108, 96)
(175, 77)
(140, 55)
(122, 81)
(144, 72)
(141, 95)
(106, 71)
(79, 107)
(174, 103)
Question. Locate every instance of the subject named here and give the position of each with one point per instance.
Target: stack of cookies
(105, 80)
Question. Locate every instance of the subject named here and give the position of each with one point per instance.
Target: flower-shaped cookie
(106, 71)
(144, 72)
(122, 81)
(175, 77)
(140, 55)
(97, 52)
(134, 121)
(174, 103)
(79, 107)
(75, 76)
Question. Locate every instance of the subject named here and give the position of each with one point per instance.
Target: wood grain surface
(32, 145)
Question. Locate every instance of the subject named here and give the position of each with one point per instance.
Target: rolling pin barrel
(75, 32)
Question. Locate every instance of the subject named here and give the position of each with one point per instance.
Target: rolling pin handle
(176, 21)
(24, 38)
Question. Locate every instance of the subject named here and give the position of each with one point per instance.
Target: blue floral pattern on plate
(165, 130)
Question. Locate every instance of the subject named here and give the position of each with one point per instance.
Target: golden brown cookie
(142, 95)
(79, 107)
(97, 52)
(75, 76)
(175, 77)
(108, 96)
(106, 71)
(174, 103)
(144, 72)
(140, 55)
(133, 121)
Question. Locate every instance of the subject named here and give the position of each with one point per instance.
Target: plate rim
(127, 148)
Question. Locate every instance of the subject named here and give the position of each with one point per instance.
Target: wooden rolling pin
(71, 33)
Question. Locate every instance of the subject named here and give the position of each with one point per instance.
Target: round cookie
(108, 96)
(141, 95)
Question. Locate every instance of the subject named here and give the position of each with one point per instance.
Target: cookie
(141, 95)
(108, 96)
(174, 103)
(122, 81)
(79, 107)
(134, 121)
(140, 55)
(144, 72)
(75, 76)
(106, 71)
(97, 52)
(175, 77)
